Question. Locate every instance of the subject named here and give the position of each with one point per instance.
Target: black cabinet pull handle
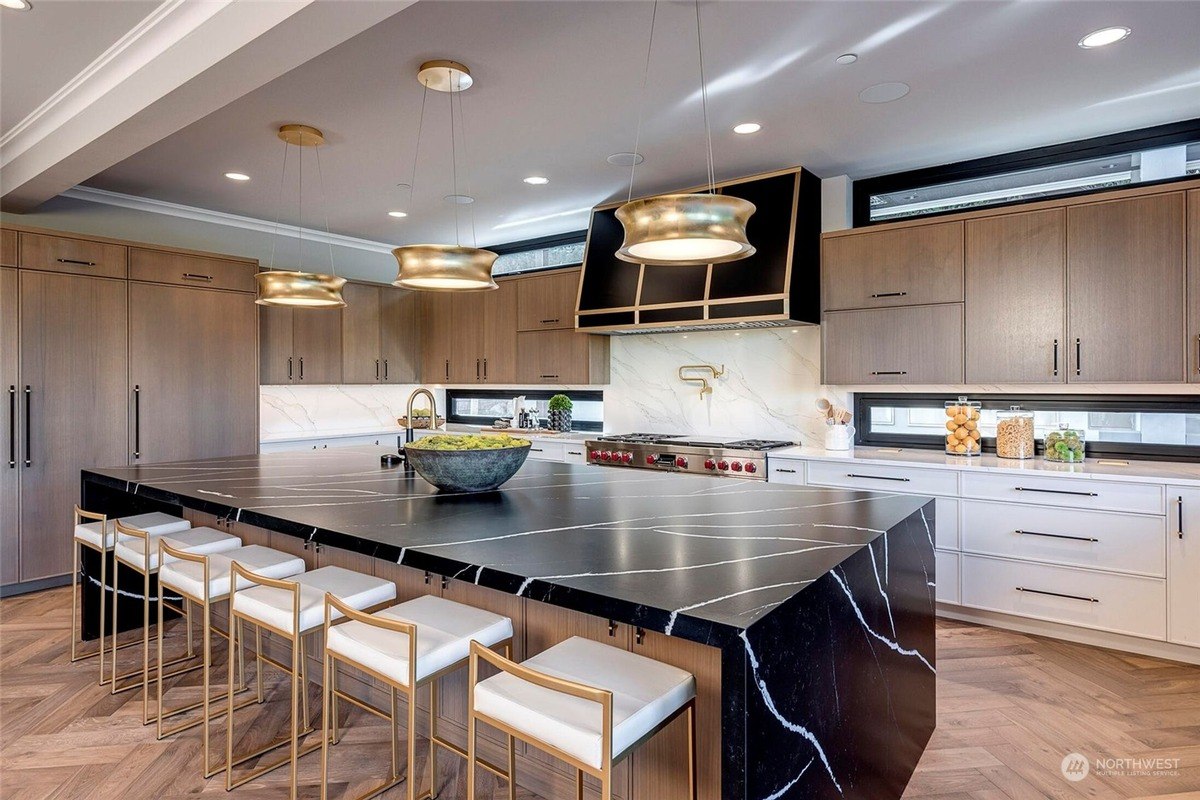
(547, 376)
(289, 368)
(641, 636)
(547, 321)
(447, 369)
(477, 369)
(28, 428)
(137, 421)
(574, 453)
(612, 627)
(535, 449)
(301, 367)
(889, 372)
(1056, 358)
(1057, 536)
(12, 427)
(789, 471)
(77, 261)
(1078, 357)
(1056, 491)
(1198, 352)
(889, 294)
(485, 369)
(1058, 594)
(377, 369)
(1180, 501)
(196, 276)
(385, 369)
(878, 477)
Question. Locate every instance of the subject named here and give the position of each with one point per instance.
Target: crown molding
(135, 203)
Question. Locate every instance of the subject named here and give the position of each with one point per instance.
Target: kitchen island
(807, 615)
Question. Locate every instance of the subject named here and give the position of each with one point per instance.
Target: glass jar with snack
(1065, 445)
(962, 427)
(1014, 433)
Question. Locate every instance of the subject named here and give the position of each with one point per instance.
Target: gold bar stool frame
(297, 671)
(174, 575)
(393, 621)
(678, 699)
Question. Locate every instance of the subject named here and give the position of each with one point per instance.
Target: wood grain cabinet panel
(436, 335)
(277, 364)
(81, 256)
(899, 267)
(8, 248)
(498, 343)
(362, 356)
(1125, 289)
(400, 339)
(1193, 290)
(562, 357)
(160, 266)
(10, 428)
(466, 337)
(547, 301)
(921, 344)
(317, 345)
(1016, 296)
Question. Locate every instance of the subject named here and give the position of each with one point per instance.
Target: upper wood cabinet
(8, 248)
(65, 254)
(1016, 298)
(484, 325)
(561, 357)
(1193, 290)
(896, 267)
(300, 345)
(362, 357)
(437, 334)
(164, 266)
(1125, 284)
(547, 301)
(400, 339)
(913, 345)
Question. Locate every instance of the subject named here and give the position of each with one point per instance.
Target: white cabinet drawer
(875, 478)
(946, 535)
(947, 576)
(1097, 539)
(1140, 498)
(781, 470)
(573, 452)
(1118, 603)
(547, 451)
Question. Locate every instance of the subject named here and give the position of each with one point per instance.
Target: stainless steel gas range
(725, 457)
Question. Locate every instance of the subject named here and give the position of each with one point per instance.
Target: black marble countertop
(696, 557)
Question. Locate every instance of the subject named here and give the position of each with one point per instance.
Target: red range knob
(606, 456)
(722, 465)
(627, 457)
(594, 455)
(751, 467)
(736, 466)
(681, 462)
(651, 459)
(710, 464)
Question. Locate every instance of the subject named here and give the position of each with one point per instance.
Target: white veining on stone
(792, 783)
(678, 611)
(904, 651)
(887, 601)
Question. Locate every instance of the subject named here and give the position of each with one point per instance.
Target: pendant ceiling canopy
(445, 267)
(683, 229)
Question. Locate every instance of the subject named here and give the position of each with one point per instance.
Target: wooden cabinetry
(300, 345)
(547, 301)
(398, 332)
(362, 359)
(482, 328)
(161, 266)
(8, 248)
(9, 427)
(562, 357)
(918, 344)
(1125, 278)
(437, 334)
(1016, 292)
(1193, 288)
(902, 267)
(66, 254)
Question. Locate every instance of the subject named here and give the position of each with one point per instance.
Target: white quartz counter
(397, 431)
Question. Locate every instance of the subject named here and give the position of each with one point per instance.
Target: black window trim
(1050, 155)
(530, 394)
(1134, 451)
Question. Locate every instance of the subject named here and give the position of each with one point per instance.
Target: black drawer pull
(1056, 358)
(878, 477)
(889, 372)
(1180, 501)
(377, 369)
(12, 431)
(789, 471)
(574, 452)
(547, 321)
(289, 368)
(28, 428)
(137, 421)
(196, 276)
(1078, 357)
(1057, 536)
(1056, 491)
(889, 294)
(547, 376)
(385, 369)
(301, 367)
(535, 449)
(1058, 594)
(77, 261)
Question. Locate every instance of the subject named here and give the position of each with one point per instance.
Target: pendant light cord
(462, 123)
(300, 208)
(412, 182)
(325, 209)
(712, 179)
(453, 159)
(637, 137)
(278, 206)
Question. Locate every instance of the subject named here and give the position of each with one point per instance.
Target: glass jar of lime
(1065, 445)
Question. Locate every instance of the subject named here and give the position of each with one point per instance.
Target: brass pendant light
(684, 229)
(297, 288)
(445, 267)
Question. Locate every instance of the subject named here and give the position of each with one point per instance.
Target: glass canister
(1014, 433)
(962, 427)
(1065, 445)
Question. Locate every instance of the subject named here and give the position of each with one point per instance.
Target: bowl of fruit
(467, 462)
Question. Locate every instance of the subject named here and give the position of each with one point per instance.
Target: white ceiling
(42, 49)
(557, 91)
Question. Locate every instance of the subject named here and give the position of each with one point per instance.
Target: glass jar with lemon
(962, 427)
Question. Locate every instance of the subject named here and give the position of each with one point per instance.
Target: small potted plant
(560, 413)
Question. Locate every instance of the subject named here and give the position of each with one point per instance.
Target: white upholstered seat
(154, 523)
(273, 606)
(201, 541)
(645, 693)
(444, 633)
(188, 576)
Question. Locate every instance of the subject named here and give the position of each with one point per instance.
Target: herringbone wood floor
(1010, 707)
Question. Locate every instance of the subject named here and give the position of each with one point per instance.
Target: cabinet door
(499, 340)
(362, 359)
(901, 267)
(1016, 285)
(399, 335)
(73, 359)
(1125, 304)
(192, 372)
(8, 248)
(276, 361)
(317, 344)
(547, 301)
(437, 333)
(1183, 566)
(466, 339)
(79, 256)
(1193, 290)
(159, 266)
(923, 344)
(10, 428)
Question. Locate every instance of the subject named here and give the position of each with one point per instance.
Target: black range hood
(777, 286)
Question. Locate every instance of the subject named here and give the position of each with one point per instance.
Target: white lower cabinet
(785, 471)
(947, 580)
(387, 440)
(1183, 566)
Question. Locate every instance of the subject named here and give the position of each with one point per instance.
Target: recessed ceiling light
(233, 176)
(16, 5)
(883, 92)
(846, 58)
(537, 180)
(398, 214)
(1104, 36)
(625, 159)
(459, 199)
(747, 127)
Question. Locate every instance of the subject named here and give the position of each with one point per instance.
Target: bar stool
(292, 609)
(136, 549)
(205, 581)
(99, 536)
(587, 703)
(407, 646)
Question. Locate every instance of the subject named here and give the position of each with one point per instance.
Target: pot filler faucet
(408, 432)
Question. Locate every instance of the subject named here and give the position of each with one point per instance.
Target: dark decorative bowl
(468, 470)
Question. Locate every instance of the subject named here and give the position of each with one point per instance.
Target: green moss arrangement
(469, 441)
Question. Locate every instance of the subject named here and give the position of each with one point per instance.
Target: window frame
(540, 243)
(594, 395)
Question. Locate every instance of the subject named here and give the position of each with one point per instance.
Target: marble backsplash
(294, 411)
(770, 387)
